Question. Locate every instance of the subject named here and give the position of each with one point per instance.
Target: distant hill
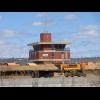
(72, 60)
(88, 59)
(22, 61)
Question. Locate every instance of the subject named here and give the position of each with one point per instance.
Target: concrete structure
(47, 51)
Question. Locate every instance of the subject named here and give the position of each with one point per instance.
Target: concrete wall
(91, 81)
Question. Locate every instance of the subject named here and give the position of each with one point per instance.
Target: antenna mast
(45, 24)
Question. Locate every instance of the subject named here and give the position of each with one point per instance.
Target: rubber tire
(78, 74)
(66, 74)
(72, 75)
(32, 75)
(83, 74)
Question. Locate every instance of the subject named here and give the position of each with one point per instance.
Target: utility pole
(76, 55)
(1, 59)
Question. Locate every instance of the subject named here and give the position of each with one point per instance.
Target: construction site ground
(91, 80)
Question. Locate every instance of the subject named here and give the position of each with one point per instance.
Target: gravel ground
(89, 81)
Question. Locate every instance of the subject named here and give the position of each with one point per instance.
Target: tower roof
(38, 43)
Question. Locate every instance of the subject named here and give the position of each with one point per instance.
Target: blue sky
(17, 29)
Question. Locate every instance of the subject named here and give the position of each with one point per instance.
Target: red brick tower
(47, 51)
(45, 37)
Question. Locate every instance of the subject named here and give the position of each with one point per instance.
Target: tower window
(52, 54)
(62, 55)
(52, 46)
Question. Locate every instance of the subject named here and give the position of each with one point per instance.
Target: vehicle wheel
(32, 75)
(66, 74)
(51, 74)
(72, 75)
(36, 74)
(84, 75)
(78, 74)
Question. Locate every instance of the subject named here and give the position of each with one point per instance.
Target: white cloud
(50, 23)
(66, 40)
(12, 34)
(43, 24)
(88, 34)
(90, 27)
(71, 17)
(96, 42)
(41, 15)
(2, 42)
(9, 33)
(14, 43)
(9, 50)
(88, 43)
(37, 24)
(47, 20)
(0, 18)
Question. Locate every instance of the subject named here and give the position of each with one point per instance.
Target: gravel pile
(93, 66)
(37, 67)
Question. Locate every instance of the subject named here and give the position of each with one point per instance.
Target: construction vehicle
(72, 70)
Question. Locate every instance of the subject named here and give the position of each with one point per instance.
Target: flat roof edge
(38, 43)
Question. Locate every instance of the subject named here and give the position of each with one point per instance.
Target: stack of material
(93, 66)
(47, 67)
(90, 63)
(21, 68)
(31, 64)
(98, 65)
(11, 64)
